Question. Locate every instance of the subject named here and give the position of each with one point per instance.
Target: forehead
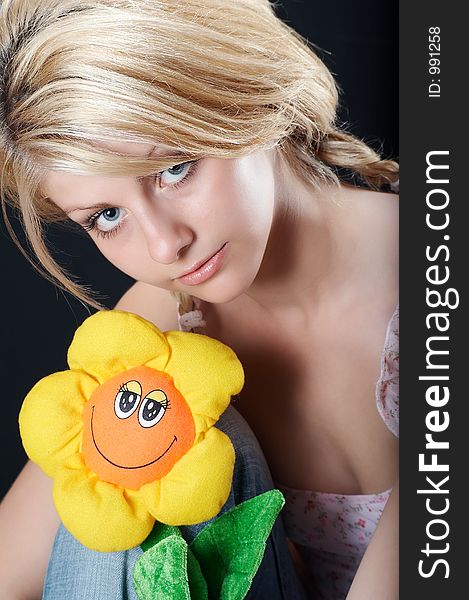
(58, 185)
(139, 149)
(64, 189)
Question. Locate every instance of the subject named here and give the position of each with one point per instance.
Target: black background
(357, 40)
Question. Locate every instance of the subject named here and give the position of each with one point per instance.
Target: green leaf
(150, 584)
(161, 572)
(159, 533)
(230, 549)
(197, 583)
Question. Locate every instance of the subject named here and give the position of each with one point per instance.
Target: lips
(203, 270)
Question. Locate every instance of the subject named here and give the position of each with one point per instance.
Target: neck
(323, 245)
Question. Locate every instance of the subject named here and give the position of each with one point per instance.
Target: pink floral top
(332, 531)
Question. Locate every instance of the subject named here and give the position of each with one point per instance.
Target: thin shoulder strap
(190, 319)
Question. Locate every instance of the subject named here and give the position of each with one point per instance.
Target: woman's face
(200, 228)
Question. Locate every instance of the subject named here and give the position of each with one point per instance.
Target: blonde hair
(216, 78)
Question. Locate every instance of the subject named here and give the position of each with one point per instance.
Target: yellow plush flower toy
(127, 433)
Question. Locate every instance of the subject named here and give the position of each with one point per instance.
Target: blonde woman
(196, 142)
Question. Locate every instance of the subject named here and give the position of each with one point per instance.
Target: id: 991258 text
(434, 71)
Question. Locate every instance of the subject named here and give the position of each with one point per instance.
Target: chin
(220, 290)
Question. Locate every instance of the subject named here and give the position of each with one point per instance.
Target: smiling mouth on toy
(123, 466)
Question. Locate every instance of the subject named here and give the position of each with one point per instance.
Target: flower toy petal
(183, 500)
(102, 516)
(51, 418)
(222, 368)
(112, 341)
(127, 433)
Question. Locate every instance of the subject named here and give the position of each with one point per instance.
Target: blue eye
(111, 214)
(177, 169)
(175, 174)
(108, 219)
(105, 222)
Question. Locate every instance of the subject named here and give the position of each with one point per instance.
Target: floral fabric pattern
(331, 533)
(387, 386)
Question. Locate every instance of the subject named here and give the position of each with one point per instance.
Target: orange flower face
(136, 426)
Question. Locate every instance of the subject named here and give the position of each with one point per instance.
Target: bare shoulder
(153, 304)
(355, 193)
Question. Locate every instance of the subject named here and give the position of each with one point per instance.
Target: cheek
(241, 198)
(128, 252)
(256, 197)
(120, 250)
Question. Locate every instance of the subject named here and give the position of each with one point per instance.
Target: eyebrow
(160, 153)
(155, 152)
(100, 205)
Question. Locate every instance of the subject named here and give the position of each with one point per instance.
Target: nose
(166, 238)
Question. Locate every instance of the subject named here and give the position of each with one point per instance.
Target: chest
(310, 397)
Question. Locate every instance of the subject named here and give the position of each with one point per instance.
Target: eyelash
(90, 224)
(166, 404)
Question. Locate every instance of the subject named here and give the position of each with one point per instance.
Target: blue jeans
(76, 573)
